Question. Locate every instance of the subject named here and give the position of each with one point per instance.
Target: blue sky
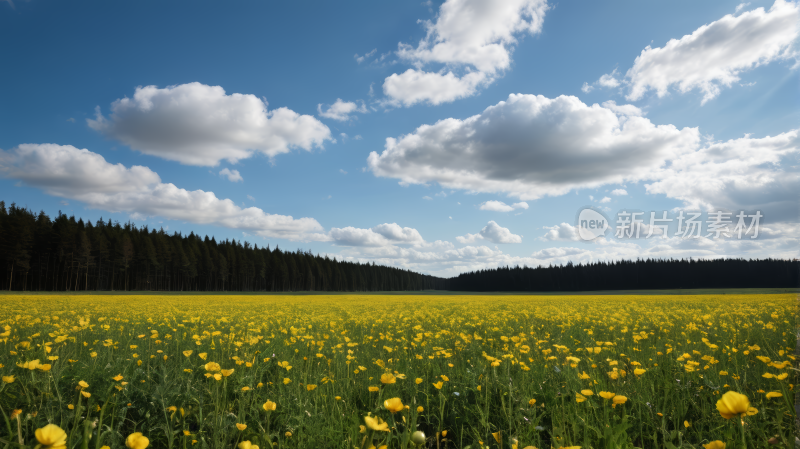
(545, 107)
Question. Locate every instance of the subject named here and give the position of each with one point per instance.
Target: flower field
(357, 371)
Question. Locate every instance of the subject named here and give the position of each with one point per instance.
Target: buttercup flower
(52, 437)
(137, 441)
(376, 424)
(394, 405)
(270, 406)
(388, 378)
(733, 403)
(715, 445)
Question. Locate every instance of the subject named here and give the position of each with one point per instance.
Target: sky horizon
(441, 137)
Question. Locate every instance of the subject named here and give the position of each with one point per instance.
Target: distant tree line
(635, 275)
(65, 254)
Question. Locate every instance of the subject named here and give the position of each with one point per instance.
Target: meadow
(363, 371)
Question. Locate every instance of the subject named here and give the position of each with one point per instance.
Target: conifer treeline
(65, 254)
(648, 274)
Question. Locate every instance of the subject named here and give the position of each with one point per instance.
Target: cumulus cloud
(738, 174)
(499, 206)
(626, 110)
(562, 232)
(619, 192)
(492, 232)
(531, 146)
(386, 234)
(476, 36)
(232, 175)
(342, 110)
(196, 124)
(68, 172)
(715, 54)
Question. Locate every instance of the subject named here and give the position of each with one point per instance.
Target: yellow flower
(70, 406)
(187, 353)
(310, 387)
(44, 367)
(420, 409)
(241, 426)
(83, 384)
(86, 394)
(639, 371)
(687, 424)
(52, 436)
(531, 403)
(288, 434)
(270, 406)
(15, 413)
(732, 403)
(247, 445)
(774, 394)
(438, 385)
(373, 389)
(287, 381)
(587, 392)
(376, 424)
(118, 377)
(218, 376)
(767, 375)
(388, 378)
(245, 388)
(752, 411)
(137, 441)
(579, 397)
(606, 394)
(782, 376)
(394, 405)
(498, 437)
(418, 380)
(227, 372)
(584, 376)
(202, 355)
(445, 378)
(9, 379)
(715, 445)
(723, 373)
(619, 399)
(212, 366)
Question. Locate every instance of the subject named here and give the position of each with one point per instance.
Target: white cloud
(357, 137)
(605, 200)
(499, 206)
(619, 192)
(67, 172)
(562, 232)
(493, 233)
(476, 35)
(386, 234)
(366, 55)
(739, 174)
(342, 171)
(550, 253)
(532, 146)
(233, 175)
(196, 124)
(714, 55)
(426, 197)
(442, 259)
(741, 6)
(251, 198)
(608, 80)
(415, 86)
(342, 110)
(627, 110)
(587, 87)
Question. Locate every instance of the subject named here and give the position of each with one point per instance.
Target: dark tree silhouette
(65, 254)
